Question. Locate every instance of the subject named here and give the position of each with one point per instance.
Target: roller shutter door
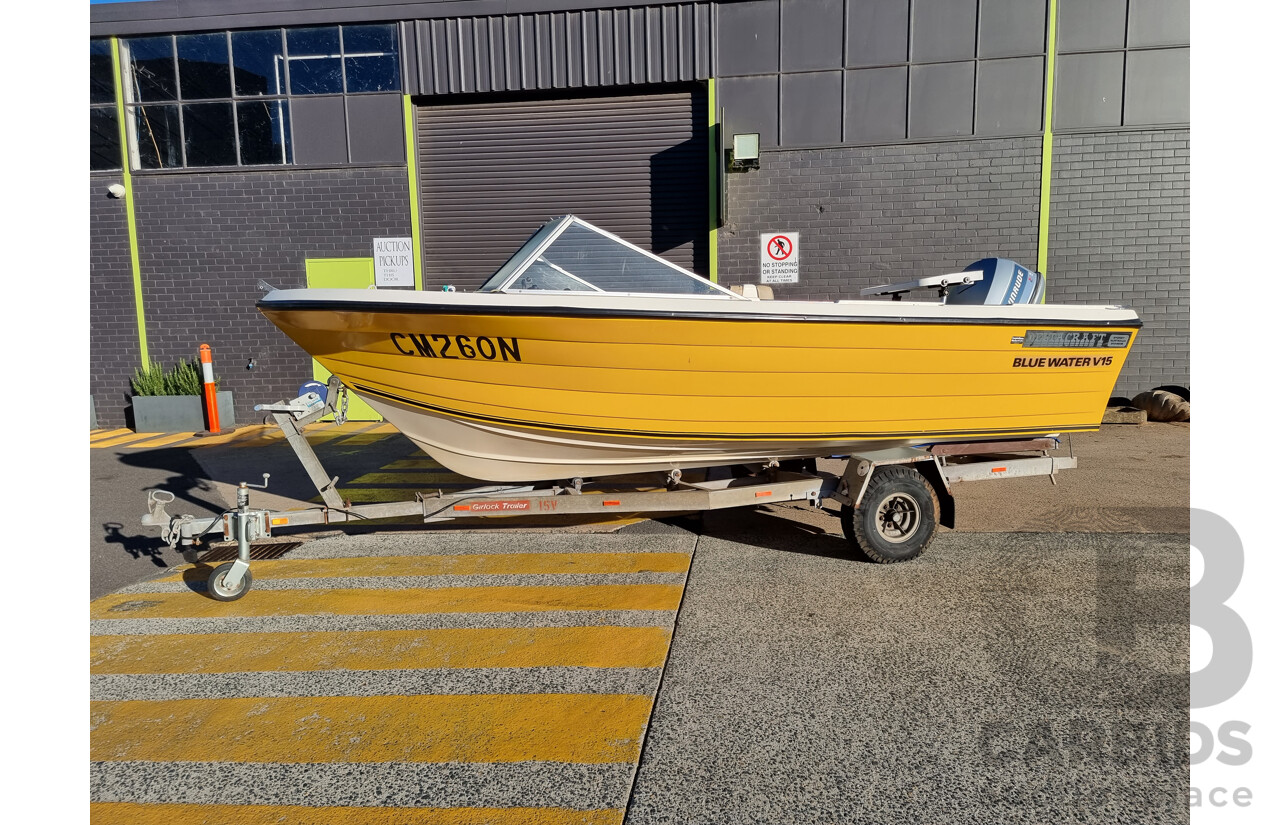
(491, 173)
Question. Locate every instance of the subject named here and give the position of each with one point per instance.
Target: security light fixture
(746, 151)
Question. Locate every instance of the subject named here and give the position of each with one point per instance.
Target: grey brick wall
(113, 330)
(206, 239)
(880, 214)
(1118, 232)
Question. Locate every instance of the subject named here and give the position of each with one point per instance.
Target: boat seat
(757, 292)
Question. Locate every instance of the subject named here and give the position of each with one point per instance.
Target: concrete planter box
(178, 413)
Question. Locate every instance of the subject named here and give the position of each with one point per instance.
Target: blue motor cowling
(1004, 282)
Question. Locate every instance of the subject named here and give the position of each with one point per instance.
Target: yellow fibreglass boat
(585, 356)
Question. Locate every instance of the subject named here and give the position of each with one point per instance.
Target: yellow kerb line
(600, 647)
(463, 565)
(360, 602)
(134, 813)
(584, 728)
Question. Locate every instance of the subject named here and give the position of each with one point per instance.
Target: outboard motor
(1004, 282)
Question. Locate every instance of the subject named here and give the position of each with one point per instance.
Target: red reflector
(999, 469)
(611, 503)
(462, 506)
(764, 493)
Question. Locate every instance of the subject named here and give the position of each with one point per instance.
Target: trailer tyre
(220, 591)
(897, 518)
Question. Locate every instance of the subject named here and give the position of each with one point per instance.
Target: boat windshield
(570, 255)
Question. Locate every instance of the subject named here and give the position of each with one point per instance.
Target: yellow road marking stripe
(161, 442)
(409, 479)
(585, 728)
(102, 435)
(366, 438)
(413, 464)
(123, 439)
(368, 602)
(381, 650)
(133, 813)
(463, 565)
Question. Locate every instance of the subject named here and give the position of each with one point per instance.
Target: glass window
(204, 68)
(371, 58)
(104, 139)
(210, 134)
(102, 88)
(157, 136)
(582, 258)
(264, 132)
(223, 98)
(613, 267)
(151, 72)
(315, 61)
(259, 62)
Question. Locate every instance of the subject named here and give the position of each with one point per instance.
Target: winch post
(291, 417)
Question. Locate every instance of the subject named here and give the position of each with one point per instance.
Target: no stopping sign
(779, 257)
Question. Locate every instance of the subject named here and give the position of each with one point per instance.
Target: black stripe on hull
(718, 436)
(591, 312)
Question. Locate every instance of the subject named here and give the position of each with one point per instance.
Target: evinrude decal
(1066, 338)
(457, 346)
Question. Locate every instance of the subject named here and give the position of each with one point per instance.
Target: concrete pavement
(1034, 676)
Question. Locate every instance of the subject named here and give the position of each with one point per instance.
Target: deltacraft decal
(457, 346)
(1051, 363)
(1066, 338)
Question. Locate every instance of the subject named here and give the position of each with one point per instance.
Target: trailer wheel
(897, 518)
(220, 591)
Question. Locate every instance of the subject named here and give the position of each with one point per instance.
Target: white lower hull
(490, 452)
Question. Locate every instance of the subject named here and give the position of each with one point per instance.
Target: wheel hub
(898, 518)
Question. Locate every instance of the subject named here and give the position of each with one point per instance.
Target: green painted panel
(342, 273)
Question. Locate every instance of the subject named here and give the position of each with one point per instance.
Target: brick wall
(113, 330)
(206, 239)
(875, 215)
(1118, 232)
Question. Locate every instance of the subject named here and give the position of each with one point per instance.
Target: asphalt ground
(1030, 667)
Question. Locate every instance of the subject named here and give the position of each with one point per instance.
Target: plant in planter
(171, 401)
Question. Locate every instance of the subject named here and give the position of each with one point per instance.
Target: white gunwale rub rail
(431, 678)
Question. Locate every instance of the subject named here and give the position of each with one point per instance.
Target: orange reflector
(276, 522)
(611, 503)
(764, 493)
(999, 469)
(462, 506)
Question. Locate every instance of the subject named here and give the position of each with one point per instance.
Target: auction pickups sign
(393, 262)
(779, 257)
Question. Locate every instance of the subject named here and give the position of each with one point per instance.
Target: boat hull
(504, 388)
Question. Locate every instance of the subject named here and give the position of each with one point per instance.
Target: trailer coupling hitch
(157, 516)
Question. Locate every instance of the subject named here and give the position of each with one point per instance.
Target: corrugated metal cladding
(492, 172)
(565, 49)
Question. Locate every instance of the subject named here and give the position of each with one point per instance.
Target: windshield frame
(540, 241)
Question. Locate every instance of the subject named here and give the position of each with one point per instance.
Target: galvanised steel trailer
(891, 501)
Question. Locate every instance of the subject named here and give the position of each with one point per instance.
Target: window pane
(104, 139)
(102, 88)
(157, 136)
(373, 62)
(210, 134)
(150, 70)
(373, 74)
(264, 132)
(259, 62)
(204, 70)
(376, 39)
(315, 62)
